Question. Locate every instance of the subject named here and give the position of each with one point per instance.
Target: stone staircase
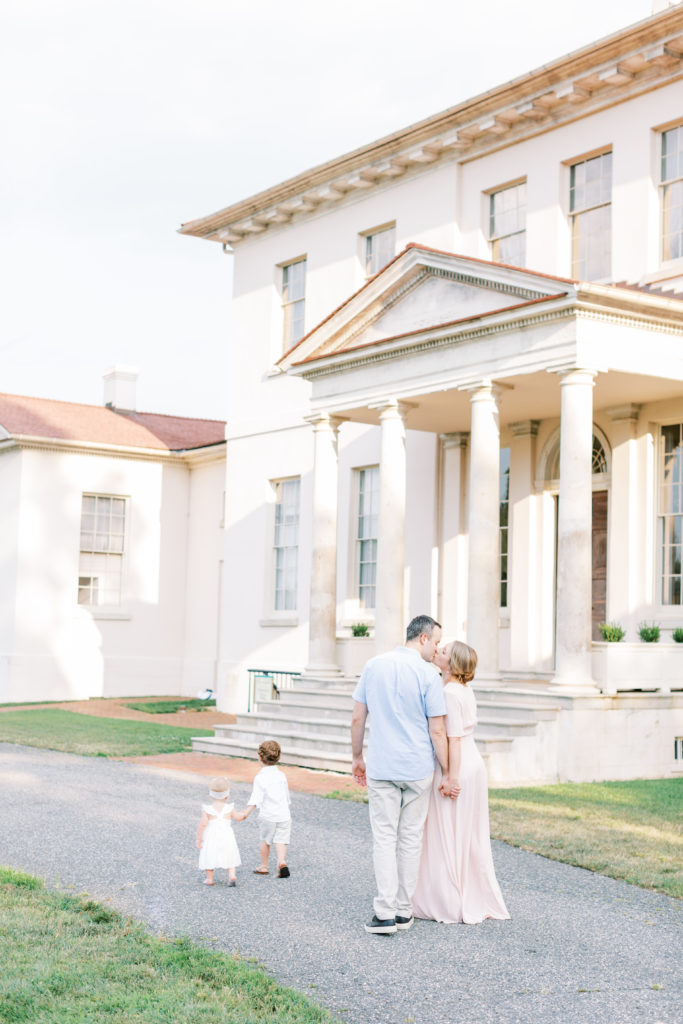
(516, 731)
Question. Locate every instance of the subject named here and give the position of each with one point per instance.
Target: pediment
(419, 290)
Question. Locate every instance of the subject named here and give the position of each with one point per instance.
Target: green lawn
(71, 960)
(628, 830)
(168, 707)
(56, 729)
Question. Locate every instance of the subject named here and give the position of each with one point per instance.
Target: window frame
(359, 541)
(664, 184)
(86, 553)
(504, 527)
(495, 238)
(582, 214)
(366, 238)
(661, 516)
(293, 309)
(285, 610)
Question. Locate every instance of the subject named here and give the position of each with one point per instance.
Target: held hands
(450, 788)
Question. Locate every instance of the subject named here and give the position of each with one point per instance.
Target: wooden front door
(599, 560)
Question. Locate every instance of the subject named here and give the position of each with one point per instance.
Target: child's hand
(199, 844)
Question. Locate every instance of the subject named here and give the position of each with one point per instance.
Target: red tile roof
(94, 424)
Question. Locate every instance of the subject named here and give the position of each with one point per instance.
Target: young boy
(270, 793)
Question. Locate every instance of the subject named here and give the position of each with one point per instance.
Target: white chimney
(119, 387)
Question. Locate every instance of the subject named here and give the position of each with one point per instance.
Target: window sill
(109, 613)
(284, 621)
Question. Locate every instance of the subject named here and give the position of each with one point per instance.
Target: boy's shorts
(274, 831)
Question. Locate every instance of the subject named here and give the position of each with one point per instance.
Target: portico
(530, 353)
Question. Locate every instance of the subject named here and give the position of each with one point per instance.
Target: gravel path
(580, 948)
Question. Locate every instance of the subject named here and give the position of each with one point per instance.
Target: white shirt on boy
(270, 793)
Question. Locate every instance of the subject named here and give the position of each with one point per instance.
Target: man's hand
(358, 771)
(450, 788)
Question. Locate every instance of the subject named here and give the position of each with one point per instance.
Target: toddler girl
(215, 839)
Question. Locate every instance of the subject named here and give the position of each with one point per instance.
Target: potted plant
(354, 650)
(611, 632)
(649, 632)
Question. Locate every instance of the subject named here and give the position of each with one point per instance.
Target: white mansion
(457, 388)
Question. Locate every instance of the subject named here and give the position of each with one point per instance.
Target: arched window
(600, 458)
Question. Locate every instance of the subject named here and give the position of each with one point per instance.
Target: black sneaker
(377, 927)
(404, 923)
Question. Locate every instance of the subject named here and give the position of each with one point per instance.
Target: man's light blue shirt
(401, 691)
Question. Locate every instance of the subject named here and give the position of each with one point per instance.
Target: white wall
(10, 477)
(63, 650)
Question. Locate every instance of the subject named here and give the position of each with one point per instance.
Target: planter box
(635, 666)
(353, 652)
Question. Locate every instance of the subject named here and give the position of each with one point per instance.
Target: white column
(483, 578)
(453, 534)
(523, 546)
(322, 634)
(574, 528)
(389, 612)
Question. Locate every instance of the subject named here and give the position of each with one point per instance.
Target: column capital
(456, 439)
(485, 390)
(393, 407)
(525, 428)
(629, 411)
(574, 375)
(324, 421)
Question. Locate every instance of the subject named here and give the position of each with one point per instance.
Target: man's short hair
(269, 751)
(419, 625)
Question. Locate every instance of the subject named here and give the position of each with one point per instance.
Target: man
(403, 694)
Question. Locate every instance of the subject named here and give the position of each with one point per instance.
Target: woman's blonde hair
(462, 662)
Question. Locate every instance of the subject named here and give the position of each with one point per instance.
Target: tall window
(286, 543)
(671, 511)
(590, 211)
(504, 505)
(672, 193)
(366, 534)
(103, 533)
(293, 302)
(507, 225)
(380, 248)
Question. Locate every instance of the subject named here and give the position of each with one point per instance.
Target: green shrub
(678, 635)
(649, 632)
(360, 629)
(611, 632)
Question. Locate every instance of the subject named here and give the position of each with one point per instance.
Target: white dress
(219, 846)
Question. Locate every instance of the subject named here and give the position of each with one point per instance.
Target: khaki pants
(397, 816)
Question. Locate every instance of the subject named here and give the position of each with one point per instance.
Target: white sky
(121, 120)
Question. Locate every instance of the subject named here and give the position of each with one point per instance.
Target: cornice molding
(646, 56)
(212, 453)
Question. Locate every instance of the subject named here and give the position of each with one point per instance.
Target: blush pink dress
(457, 881)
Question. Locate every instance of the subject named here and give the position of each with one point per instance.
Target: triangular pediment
(421, 289)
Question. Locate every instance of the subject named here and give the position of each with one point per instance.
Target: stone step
(303, 758)
(274, 724)
(326, 698)
(276, 721)
(331, 760)
(510, 695)
(521, 710)
(279, 707)
(290, 736)
(341, 683)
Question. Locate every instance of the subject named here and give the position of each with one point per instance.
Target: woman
(457, 881)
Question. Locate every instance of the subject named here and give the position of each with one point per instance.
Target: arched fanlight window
(599, 457)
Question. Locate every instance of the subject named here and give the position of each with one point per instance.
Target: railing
(265, 684)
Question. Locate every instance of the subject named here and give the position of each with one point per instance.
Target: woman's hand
(449, 787)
